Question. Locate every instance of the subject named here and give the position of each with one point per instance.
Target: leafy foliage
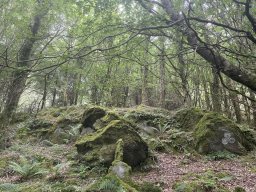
(10, 187)
(27, 169)
(220, 155)
(110, 185)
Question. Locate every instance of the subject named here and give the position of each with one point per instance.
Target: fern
(111, 185)
(162, 130)
(26, 169)
(8, 187)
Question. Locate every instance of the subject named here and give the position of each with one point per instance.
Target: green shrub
(219, 155)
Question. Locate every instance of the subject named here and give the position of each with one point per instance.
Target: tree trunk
(54, 93)
(162, 92)
(206, 93)
(44, 93)
(215, 92)
(18, 83)
(235, 102)
(183, 76)
(145, 78)
(253, 106)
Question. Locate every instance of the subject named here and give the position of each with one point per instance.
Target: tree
(210, 54)
(20, 75)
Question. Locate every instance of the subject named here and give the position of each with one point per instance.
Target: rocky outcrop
(91, 115)
(99, 147)
(215, 132)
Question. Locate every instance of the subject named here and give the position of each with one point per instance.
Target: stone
(100, 146)
(120, 169)
(215, 132)
(91, 115)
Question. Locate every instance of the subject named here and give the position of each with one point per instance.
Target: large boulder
(215, 132)
(91, 115)
(187, 118)
(99, 147)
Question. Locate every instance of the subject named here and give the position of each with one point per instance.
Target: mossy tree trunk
(19, 76)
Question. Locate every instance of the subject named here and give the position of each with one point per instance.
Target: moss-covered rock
(148, 116)
(91, 115)
(120, 169)
(119, 153)
(214, 133)
(37, 124)
(187, 119)
(100, 146)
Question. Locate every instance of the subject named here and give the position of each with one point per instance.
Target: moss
(186, 119)
(4, 161)
(149, 187)
(200, 183)
(148, 116)
(39, 124)
(19, 117)
(120, 169)
(119, 153)
(110, 182)
(214, 133)
(239, 189)
(135, 149)
(91, 115)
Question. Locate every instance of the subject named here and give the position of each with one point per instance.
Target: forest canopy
(166, 53)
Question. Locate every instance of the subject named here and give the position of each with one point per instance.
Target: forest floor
(171, 168)
(64, 170)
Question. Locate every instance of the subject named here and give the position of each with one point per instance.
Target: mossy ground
(67, 173)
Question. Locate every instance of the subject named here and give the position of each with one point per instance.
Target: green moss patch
(135, 149)
(215, 133)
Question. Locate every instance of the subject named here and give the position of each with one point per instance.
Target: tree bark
(183, 76)
(44, 93)
(215, 92)
(145, 73)
(18, 83)
(253, 107)
(162, 92)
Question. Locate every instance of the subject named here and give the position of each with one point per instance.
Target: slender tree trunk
(54, 93)
(77, 91)
(162, 92)
(145, 74)
(44, 93)
(206, 93)
(215, 92)
(253, 107)
(235, 102)
(227, 107)
(183, 76)
(246, 106)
